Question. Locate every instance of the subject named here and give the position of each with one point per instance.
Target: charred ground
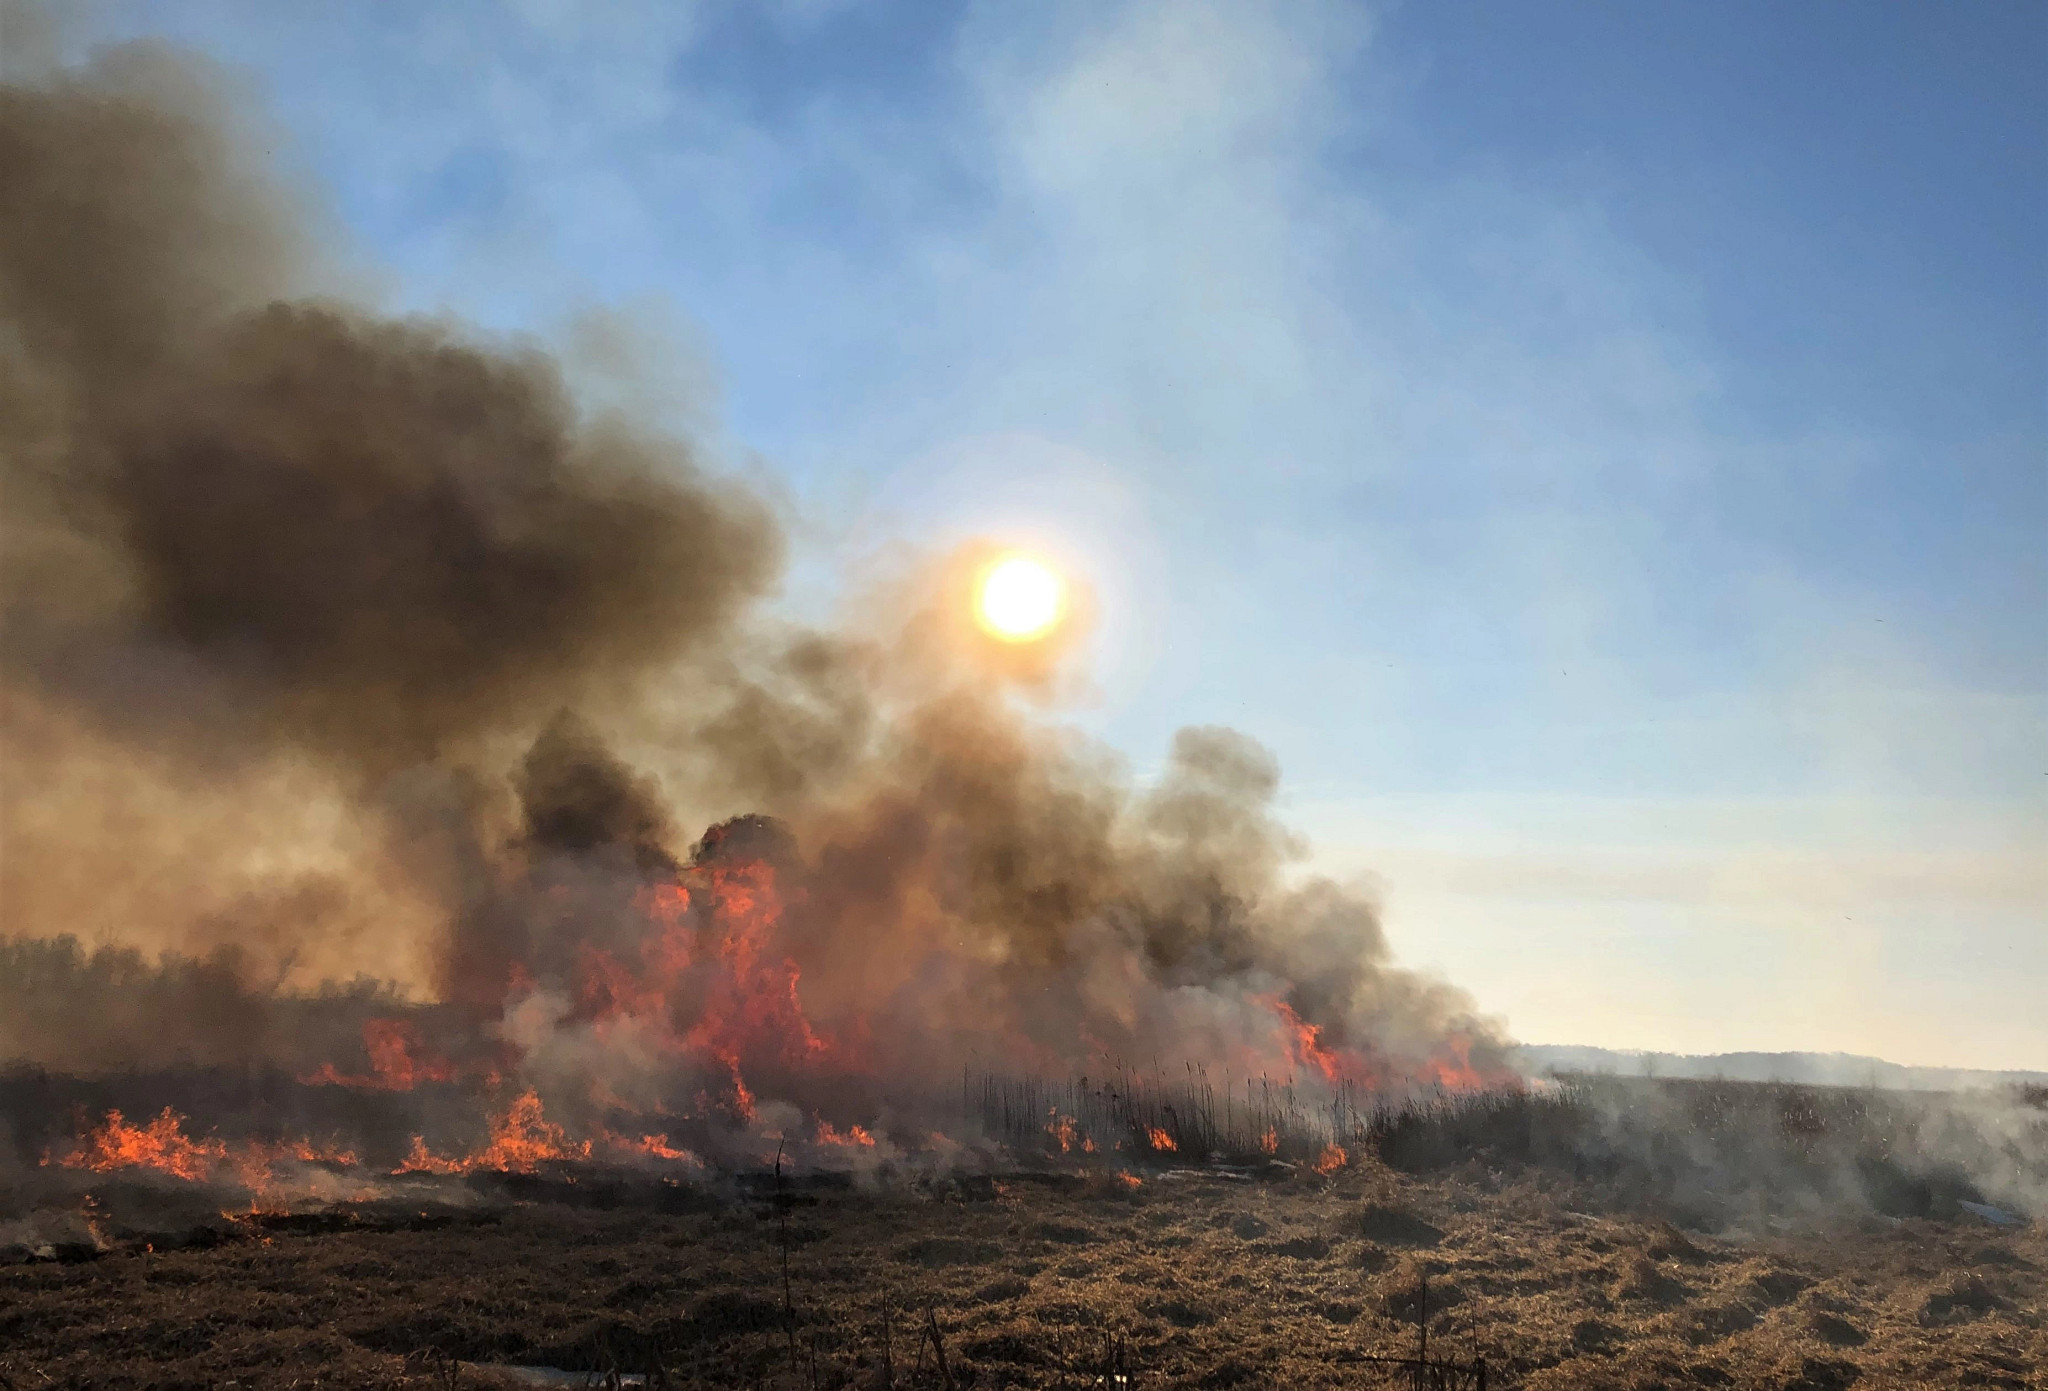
(1563, 1265)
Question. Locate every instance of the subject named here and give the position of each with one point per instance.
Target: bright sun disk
(1020, 599)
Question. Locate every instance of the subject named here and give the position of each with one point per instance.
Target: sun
(1020, 599)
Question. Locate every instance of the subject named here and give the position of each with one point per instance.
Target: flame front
(490, 587)
(695, 982)
(163, 1147)
(523, 1140)
(855, 1136)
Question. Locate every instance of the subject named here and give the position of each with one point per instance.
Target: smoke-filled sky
(1602, 450)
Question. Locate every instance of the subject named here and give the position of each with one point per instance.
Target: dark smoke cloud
(359, 639)
(244, 529)
(397, 540)
(1101, 922)
(378, 536)
(578, 798)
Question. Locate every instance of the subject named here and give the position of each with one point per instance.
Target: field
(1045, 1276)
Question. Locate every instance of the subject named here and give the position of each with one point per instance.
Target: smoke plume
(356, 671)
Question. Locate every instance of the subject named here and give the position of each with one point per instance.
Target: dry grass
(1204, 1283)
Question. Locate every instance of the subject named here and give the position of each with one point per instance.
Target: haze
(1599, 448)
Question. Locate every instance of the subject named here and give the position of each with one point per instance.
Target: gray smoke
(361, 644)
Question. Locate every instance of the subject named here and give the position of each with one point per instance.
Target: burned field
(1606, 1269)
(369, 1015)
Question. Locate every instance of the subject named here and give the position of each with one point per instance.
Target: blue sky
(1602, 448)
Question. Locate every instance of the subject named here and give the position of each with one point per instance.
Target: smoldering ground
(343, 649)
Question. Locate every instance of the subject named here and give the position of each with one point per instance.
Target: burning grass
(436, 633)
(1712, 1155)
(1548, 1248)
(1199, 1281)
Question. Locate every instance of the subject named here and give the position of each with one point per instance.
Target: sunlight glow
(1019, 599)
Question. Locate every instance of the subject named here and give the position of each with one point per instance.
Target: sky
(1601, 448)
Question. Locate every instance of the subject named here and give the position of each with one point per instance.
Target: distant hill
(1810, 1069)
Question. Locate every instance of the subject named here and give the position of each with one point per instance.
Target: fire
(391, 1045)
(522, 1139)
(423, 1161)
(702, 980)
(256, 1163)
(1061, 1128)
(652, 1147)
(306, 1152)
(855, 1136)
(1451, 1068)
(1455, 1072)
(710, 940)
(959, 858)
(1304, 1042)
(161, 1145)
(1129, 1180)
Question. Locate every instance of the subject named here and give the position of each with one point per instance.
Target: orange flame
(854, 1136)
(1306, 1047)
(306, 1152)
(707, 982)
(161, 1145)
(1451, 1068)
(522, 1139)
(703, 975)
(1331, 1159)
(424, 1161)
(1455, 1071)
(652, 1147)
(711, 940)
(1061, 1128)
(390, 1044)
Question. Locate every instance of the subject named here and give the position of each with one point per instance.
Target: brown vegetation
(1037, 1281)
